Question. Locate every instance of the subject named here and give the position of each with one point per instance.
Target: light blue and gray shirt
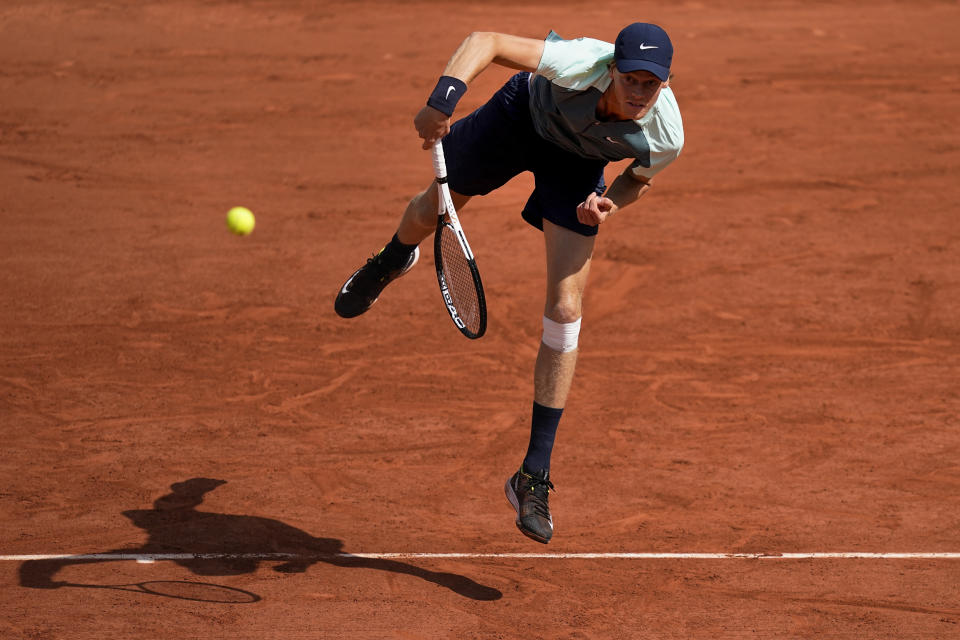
(571, 78)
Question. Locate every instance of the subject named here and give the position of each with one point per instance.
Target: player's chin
(636, 111)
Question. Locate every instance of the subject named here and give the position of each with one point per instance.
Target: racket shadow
(180, 590)
(217, 544)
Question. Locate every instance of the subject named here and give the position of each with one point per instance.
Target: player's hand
(431, 125)
(595, 209)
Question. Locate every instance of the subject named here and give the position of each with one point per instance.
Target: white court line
(155, 557)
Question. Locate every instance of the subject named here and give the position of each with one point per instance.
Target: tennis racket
(457, 271)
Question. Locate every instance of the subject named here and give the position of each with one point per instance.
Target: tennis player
(575, 106)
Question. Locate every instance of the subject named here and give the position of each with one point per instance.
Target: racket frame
(447, 217)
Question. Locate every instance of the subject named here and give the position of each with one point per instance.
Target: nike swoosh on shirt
(449, 89)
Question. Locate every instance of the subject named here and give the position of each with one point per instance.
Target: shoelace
(381, 268)
(376, 270)
(540, 489)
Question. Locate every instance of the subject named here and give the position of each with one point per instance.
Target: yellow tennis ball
(240, 220)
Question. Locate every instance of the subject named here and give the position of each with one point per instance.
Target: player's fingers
(607, 208)
(430, 138)
(429, 141)
(587, 215)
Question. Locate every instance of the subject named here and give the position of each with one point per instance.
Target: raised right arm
(475, 54)
(483, 47)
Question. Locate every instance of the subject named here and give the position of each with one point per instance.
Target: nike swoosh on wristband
(449, 89)
(644, 47)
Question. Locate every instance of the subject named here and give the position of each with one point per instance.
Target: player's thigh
(568, 256)
(489, 147)
(562, 182)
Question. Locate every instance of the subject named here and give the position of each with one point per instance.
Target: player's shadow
(219, 544)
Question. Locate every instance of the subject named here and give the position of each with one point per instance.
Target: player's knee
(424, 207)
(564, 308)
(561, 336)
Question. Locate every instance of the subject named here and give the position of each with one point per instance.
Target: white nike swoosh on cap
(449, 89)
(644, 47)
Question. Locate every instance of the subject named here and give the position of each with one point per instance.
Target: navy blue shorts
(497, 142)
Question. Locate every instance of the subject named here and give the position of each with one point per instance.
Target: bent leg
(396, 258)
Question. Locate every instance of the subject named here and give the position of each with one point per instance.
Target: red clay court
(196, 446)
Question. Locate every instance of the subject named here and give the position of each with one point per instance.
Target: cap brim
(626, 66)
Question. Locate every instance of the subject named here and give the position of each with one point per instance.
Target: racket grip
(439, 163)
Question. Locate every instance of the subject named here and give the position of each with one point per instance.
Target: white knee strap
(561, 337)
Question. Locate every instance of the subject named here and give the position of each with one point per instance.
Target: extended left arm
(625, 190)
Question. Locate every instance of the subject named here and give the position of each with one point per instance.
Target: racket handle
(439, 164)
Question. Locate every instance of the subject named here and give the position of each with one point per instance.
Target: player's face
(633, 94)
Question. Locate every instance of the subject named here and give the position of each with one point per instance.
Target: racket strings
(460, 280)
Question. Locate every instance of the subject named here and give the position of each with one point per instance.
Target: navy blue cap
(644, 47)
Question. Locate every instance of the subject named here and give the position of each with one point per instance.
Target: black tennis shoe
(529, 495)
(363, 288)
